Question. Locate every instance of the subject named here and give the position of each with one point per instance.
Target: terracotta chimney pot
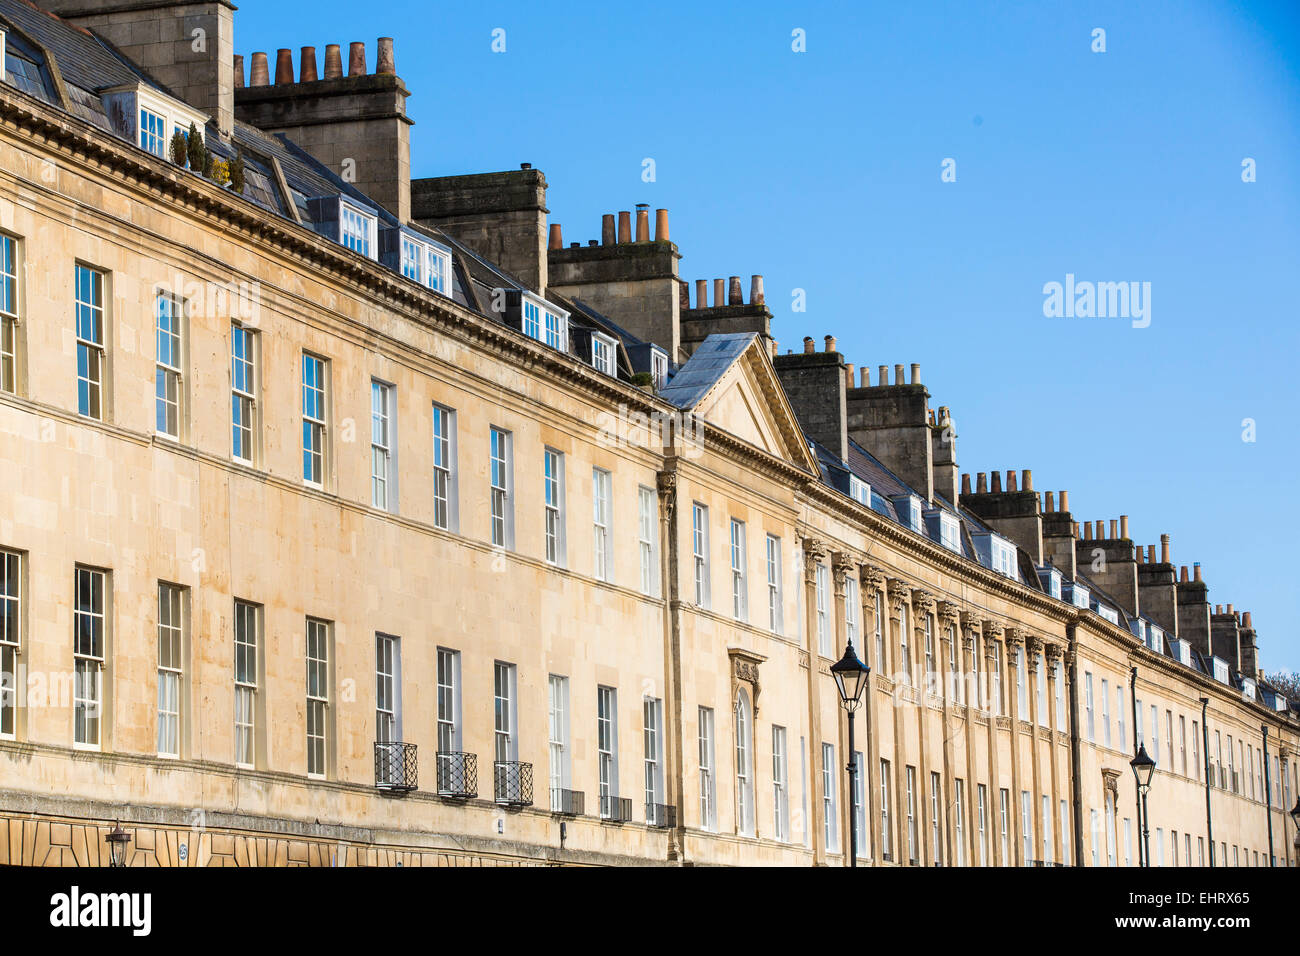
(261, 73)
(385, 62)
(333, 62)
(307, 65)
(357, 59)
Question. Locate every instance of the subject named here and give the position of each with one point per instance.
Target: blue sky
(821, 170)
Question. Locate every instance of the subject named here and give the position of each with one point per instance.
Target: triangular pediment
(730, 383)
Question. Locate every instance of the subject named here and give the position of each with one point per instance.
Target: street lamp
(1295, 814)
(1143, 769)
(851, 680)
(117, 839)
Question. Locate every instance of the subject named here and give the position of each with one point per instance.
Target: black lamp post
(851, 680)
(117, 839)
(1144, 769)
(1295, 818)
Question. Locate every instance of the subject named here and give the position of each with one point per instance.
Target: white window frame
(315, 417)
(602, 514)
(318, 635)
(553, 503)
(648, 539)
(169, 371)
(10, 297)
(171, 668)
(446, 497)
(383, 445)
(358, 229)
(700, 553)
(604, 352)
(11, 630)
(708, 775)
(775, 599)
(245, 427)
(739, 572)
(501, 497)
(247, 669)
(821, 587)
(829, 794)
(89, 659)
(91, 317)
(559, 751)
(744, 723)
(505, 739)
(607, 748)
(652, 737)
(780, 785)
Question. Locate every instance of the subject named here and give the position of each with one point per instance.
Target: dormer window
(357, 229)
(909, 511)
(997, 553)
(153, 132)
(1079, 596)
(1220, 670)
(659, 367)
(1108, 613)
(603, 350)
(1183, 652)
(949, 532)
(420, 261)
(859, 491)
(542, 321)
(1051, 579)
(1156, 639)
(1279, 703)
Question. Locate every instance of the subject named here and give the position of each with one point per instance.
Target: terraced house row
(351, 519)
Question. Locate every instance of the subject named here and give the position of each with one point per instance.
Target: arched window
(744, 766)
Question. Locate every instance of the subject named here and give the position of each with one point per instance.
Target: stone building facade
(367, 526)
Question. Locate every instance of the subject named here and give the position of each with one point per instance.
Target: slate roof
(701, 372)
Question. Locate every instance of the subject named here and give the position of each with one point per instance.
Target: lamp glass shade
(1143, 768)
(1295, 813)
(850, 677)
(117, 839)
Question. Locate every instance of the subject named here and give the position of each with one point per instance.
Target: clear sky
(822, 171)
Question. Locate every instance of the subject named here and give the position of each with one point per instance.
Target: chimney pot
(981, 483)
(283, 67)
(719, 292)
(1087, 531)
(1151, 554)
(1078, 532)
(1026, 478)
(1246, 622)
(996, 486)
(239, 71)
(830, 343)
(898, 375)
(865, 377)
(1065, 501)
(1231, 610)
(642, 222)
(734, 296)
(883, 375)
(557, 237)
(755, 290)
(1123, 527)
(1011, 479)
(701, 293)
(965, 483)
(307, 65)
(624, 226)
(1049, 501)
(850, 374)
(1196, 571)
(1114, 529)
(593, 242)
(661, 225)
(607, 229)
(1141, 556)
(333, 62)
(775, 348)
(357, 59)
(1218, 609)
(809, 346)
(261, 73)
(683, 293)
(1164, 549)
(916, 373)
(385, 63)
(1182, 574)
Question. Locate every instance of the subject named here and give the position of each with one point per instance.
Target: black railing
(569, 803)
(395, 766)
(457, 774)
(512, 783)
(660, 815)
(616, 809)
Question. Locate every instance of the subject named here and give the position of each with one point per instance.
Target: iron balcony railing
(616, 809)
(569, 803)
(395, 766)
(661, 815)
(457, 774)
(512, 783)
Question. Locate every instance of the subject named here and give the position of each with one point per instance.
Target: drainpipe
(1076, 786)
(1137, 794)
(1268, 795)
(1205, 749)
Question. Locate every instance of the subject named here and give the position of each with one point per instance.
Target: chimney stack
(307, 65)
(661, 225)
